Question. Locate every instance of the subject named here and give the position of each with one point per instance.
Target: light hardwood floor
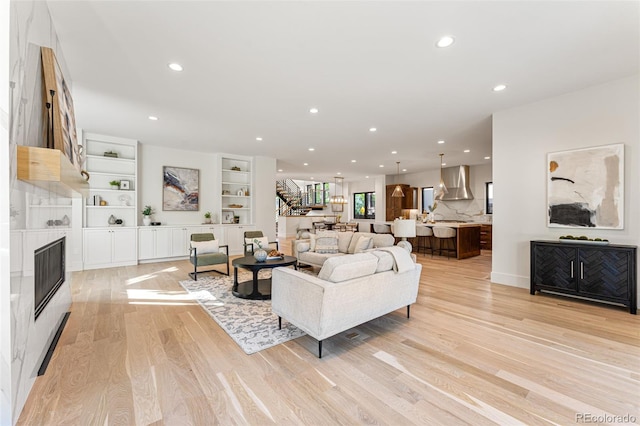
(137, 350)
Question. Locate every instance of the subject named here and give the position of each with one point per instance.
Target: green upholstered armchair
(249, 246)
(205, 251)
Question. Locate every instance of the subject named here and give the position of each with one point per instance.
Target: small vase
(146, 220)
(112, 220)
(260, 255)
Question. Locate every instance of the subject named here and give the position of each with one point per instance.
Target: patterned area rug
(250, 323)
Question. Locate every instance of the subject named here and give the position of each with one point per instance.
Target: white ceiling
(255, 68)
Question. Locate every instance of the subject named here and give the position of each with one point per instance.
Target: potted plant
(207, 217)
(431, 208)
(115, 184)
(146, 215)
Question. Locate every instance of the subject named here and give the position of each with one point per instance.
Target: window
(427, 198)
(326, 193)
(318, 194)
(309, 199)
(488, 205)
(364, 205)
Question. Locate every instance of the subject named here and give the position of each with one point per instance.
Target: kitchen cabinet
(105, 248)
(166, 242)
(604, 273)
(486, 236)
(395, 205)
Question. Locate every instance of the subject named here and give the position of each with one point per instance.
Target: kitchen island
(467, 237)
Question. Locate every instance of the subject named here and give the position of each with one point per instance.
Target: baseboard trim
(511, 280)
(52, 347)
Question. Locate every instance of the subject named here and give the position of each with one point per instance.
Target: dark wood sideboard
(596, 272)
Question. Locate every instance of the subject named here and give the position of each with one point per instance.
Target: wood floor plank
(137, 350)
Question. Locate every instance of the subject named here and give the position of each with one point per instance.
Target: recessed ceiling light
(444, 164)
(280, 170)
(440, 142)
(353, 161)
(373, 129)
(175, 67)
(381, 165)
(153, 118)
(313, 110)
(467, 150)
(404, 170)
(445, 41)
(366, 177)
(499, 88)
(305, 164)
(258, 138)
(312, 178)
(487, 158)
(394, 152)
(312, 149)
(338, 173)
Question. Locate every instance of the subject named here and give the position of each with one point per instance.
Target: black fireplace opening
(49, 272)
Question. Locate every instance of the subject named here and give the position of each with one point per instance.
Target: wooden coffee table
(257, 289)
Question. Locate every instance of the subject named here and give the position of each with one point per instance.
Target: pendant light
(337, 199)
(397, 192)
(442, 188)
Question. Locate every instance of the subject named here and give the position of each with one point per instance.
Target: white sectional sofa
(308, 253)
(349, 290)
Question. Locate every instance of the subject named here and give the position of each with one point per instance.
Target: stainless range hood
(456, 179)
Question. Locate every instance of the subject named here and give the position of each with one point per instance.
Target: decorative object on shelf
(112, 220)
(585, 188)
(146, 215)
(583, 240)
(236, 219)
(442, 188)
(65, 220)
(235, 206)
(124, 199)
(119, 222)
(156, 223)
(337, 201)
(226, 192)
(404, 228)
(397, 191)
(115, 184)
(227, 216)
(111, 154)
(260, 254)
(207, 217)
(62, 122)
(180, 189)
(103, 202)
(124, 184)
(236, 169)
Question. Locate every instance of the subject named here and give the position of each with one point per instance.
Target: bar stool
(424, 235)
(447, 235)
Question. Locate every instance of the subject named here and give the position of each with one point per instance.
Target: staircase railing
(292, 196)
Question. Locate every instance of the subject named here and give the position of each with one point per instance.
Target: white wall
(264, 195)
(150, 163)
(5, 290)
(522, 137)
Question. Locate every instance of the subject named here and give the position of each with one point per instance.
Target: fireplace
(49, 272)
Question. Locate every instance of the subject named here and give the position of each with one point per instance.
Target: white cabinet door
(97, 247)
(235, 238)
(163, 242)
(124, 245)
(146, 243)
(179, 242)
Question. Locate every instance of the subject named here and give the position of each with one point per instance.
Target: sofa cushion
(203, 247)
(343, 268)
(314, 258)
(363, 244)
(383, 240)
(327, 242)
(312, 242)
(344, 238)
(385, 260)
(356, 239)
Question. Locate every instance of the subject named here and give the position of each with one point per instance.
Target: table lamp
(404, 228)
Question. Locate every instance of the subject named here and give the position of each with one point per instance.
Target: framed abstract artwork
(180, 189)
(585, 188)
(61, 123)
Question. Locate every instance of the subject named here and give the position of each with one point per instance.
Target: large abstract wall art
(180, 189)
(585, 188)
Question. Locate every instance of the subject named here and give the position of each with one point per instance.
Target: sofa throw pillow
(344, 238)
(356, 238)
(264, 241)
(342, 268)
(364, 243)
(204, 247)
(327, 242)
